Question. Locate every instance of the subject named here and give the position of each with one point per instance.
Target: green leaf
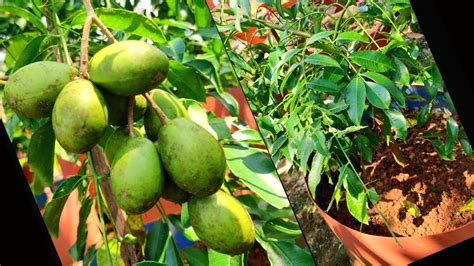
(16, 46)
(89, 257)
(323, 85)
(172, 254)
(279, 229)
(352, 36)
(453, 131)
(412, 208)
(389, 85)
(157, 241)
(177, 49)
(207, 69)
(247, 135)
(188, 232)
(127, 21)
(424, 114)
(41, 154)
(377, 95)
(401, 75)
(372, 60)
(27, 15)
(466, 146)
(306, 147)
(29, 53)
(363, 144)
(336, 195)
(469, 206)
(373, 196)
(314, 176)
(322, 60)
(102, 257)
(397, 121)
(256, 171)
(219, 259)
(285, 253)
(320, 143)
(189, 87)
(55, 207)
(196, 257)
(229, 102)
(82, 227)
(319, 36)
(355, 97)
(436, 77)
(202, 15)
(356, 199)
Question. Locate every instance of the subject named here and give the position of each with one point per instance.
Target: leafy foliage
(324, 86)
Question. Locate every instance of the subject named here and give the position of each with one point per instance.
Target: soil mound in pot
(438, 187)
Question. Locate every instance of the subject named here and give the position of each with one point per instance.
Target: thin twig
(131, 104)
(161, 115)
(90, 13)
(276, 27)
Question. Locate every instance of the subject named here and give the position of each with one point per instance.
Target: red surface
(367, 249)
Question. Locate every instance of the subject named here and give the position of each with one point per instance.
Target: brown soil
(438, 187)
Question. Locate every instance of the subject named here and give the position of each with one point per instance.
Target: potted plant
(366, 118)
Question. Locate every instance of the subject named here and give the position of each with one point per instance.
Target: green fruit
(173, 193)
(137, 178)
(116, 140)
(129, 67)
(118, 108)
(169, 104)
(79, 116)
(222, 223)
(192, 157)
(32, 90)
(105, 137)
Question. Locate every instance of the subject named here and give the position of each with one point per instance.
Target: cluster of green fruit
(177, 159)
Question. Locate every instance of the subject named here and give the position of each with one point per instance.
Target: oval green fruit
(222, 223)
(79, 116)
(137, 178)
(169, 104)
(32, 90)
(118, 108)
(192, 157)
(129, 67)
(118, 138)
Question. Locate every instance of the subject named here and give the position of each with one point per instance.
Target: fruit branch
(91, 17)
(131, 104)
(161, 115)
(130, 254)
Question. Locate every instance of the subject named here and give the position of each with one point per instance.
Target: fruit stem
(90, 13)
(85, 47)
(161, 115)
(90, 18)
(160, 208)
(131, 104)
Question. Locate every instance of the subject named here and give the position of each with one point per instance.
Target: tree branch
(130, 254)
(161, 115)
(131, 104)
